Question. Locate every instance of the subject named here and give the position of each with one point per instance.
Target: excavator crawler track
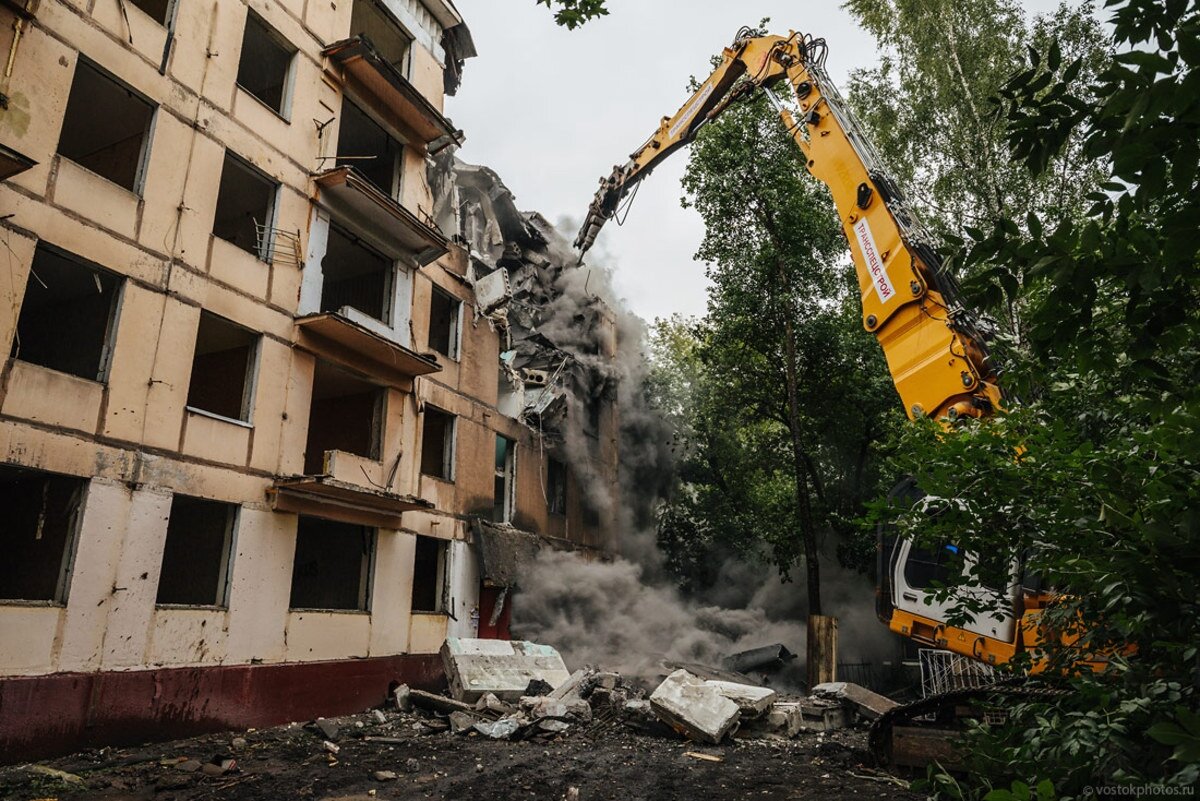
(1012, 690)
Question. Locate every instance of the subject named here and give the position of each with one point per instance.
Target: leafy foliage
(760, 473)
(573, 13)
(1093, 474)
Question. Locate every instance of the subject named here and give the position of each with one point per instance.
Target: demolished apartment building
(262, 446)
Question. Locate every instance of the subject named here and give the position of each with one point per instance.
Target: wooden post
(822, 649)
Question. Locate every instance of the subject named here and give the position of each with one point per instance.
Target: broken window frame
(287, 89)
(264, 233)
(503, 508)
(453, 351)
(388, 18)
(168, 15)
(556, 487)
(390, 294)
(366, 583)
(449, 443)
(250, 381)
(108, 344)
(396, 187)
(139, 178)
(224, 582)
(439, 579)
(74, 525)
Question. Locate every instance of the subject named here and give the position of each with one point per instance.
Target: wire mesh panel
(942, 671)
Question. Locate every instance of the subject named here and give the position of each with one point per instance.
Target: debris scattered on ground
(587, 713)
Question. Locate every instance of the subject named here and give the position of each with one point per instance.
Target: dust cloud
(625, 613)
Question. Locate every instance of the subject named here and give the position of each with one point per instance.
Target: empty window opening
(356, 275)
(266, 63)
(333, 565)
(369, 18)
(444, 311)
(429, 575)
(106, 127)
(556, 487)
(37, 539)
(347, 415)
(364, 145)
(245, 207)
(222, 380)
(504, 487)
(196, 557)
(67, 316)
(158, 10)
(437, 444)
(594, 409)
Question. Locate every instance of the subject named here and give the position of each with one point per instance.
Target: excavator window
(925, 566)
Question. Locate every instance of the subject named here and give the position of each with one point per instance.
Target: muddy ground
(601, 761)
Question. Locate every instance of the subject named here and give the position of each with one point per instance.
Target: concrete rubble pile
(522, 690)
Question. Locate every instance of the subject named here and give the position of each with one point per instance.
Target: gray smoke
(624, 612)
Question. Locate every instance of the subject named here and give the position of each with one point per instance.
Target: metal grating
(943, 671)
(278, 246)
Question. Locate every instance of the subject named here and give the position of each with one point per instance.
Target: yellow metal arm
(935, 352)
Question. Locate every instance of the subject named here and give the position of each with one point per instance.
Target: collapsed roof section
(557, 336)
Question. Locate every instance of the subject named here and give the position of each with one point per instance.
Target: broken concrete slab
(572, 686)
(819, 714)
(783, 719)
(870, 705)
(503, 668)
(693, 708)
(753, 701)
(767, 658)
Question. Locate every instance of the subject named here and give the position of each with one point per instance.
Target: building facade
(266, 412)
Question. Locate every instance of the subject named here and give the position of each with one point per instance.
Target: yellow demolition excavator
(935, 348)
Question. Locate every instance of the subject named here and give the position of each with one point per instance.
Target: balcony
(338, 337)
(350, 196)
(334, 499)
(376, 80)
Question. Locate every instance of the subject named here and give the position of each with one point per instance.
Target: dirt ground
(602, 761)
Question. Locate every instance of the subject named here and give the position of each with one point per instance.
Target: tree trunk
(803, 504)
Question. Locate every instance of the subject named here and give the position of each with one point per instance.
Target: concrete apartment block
(249, 413)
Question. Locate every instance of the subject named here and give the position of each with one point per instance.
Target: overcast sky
(552, 110)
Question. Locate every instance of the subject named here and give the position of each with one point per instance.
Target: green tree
(1094, 474)
(786, 392)
(928, 108)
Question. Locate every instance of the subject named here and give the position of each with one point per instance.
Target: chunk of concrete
(475, 667)
(784, 719)
(694, 708)
(753, 701)
(572, 686)
(870, 705)
(820, 714)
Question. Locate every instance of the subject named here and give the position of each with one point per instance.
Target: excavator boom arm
(934, 348)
